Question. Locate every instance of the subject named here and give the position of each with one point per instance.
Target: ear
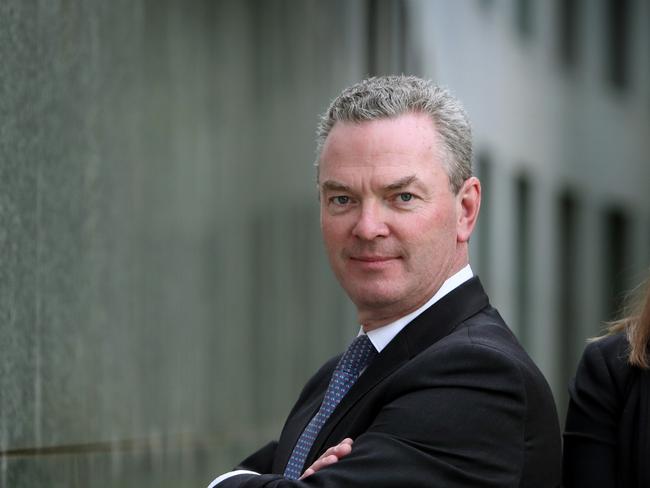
(468, 202)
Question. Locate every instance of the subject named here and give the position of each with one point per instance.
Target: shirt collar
(381, 336)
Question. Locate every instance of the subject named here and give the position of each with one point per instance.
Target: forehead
(409, 140)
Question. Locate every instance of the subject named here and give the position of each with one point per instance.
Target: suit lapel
(433, 324)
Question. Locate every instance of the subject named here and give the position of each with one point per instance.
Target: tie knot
(358, 355)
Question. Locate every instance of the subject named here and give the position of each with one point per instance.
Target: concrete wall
(161, 269)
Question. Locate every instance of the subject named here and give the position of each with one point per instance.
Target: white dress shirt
(381, 336)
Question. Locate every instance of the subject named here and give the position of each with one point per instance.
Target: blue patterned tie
(355, 359)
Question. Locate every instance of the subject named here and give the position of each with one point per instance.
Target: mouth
(373, 259)
(372, 263)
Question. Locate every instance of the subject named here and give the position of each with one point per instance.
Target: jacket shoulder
(492, 341)
(486, 329)
(483, 341)
(604, 365)
(614, 349)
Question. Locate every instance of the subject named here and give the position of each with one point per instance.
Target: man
(435, 390)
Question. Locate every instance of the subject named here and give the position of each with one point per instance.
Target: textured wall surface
(159, 243)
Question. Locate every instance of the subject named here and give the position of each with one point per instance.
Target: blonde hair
(635, 323)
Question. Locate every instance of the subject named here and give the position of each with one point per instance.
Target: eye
(341, 200)
(406, 197)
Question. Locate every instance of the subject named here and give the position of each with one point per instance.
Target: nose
(371, 222)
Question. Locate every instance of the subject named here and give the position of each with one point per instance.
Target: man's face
(389, 219)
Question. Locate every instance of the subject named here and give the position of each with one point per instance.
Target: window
(617, 16)
(568, 282)
(568, 31)
(615, 244)
(387, 41)
(524, 17)
(483, 233)
(486, 4)
(522, 258)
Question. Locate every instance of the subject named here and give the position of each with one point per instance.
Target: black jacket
(452, 401)
(607, 436)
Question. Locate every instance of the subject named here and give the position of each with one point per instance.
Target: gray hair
(392, 96)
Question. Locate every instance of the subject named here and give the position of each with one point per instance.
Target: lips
(372, 263)
(372, 259)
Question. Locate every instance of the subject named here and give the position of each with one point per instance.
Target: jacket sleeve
(261, 460)
(458, 423)
(590, 435)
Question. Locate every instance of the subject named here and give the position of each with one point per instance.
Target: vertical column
(544, 320)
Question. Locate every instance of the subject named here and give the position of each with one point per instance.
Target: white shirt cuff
(230, 474)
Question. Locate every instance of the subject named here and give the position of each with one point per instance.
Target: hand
(331, 456)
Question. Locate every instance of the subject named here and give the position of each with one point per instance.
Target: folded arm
(459, 423)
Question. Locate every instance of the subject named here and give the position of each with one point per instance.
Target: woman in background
(607, 430)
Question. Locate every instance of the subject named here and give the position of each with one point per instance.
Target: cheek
(435, 232)
(332, 231)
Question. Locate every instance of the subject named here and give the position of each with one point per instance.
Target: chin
(374, 300)
(373, 292)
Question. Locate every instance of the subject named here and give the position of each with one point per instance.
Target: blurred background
(164, 293)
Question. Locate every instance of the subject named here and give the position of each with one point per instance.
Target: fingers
(308, 472)
(341, 449)
(319, 464)
(331, 456)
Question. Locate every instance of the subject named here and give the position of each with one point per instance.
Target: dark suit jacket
(607, 432)
(452, 401)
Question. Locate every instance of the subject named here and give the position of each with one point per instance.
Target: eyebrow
(402, 183)
(332, 185)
